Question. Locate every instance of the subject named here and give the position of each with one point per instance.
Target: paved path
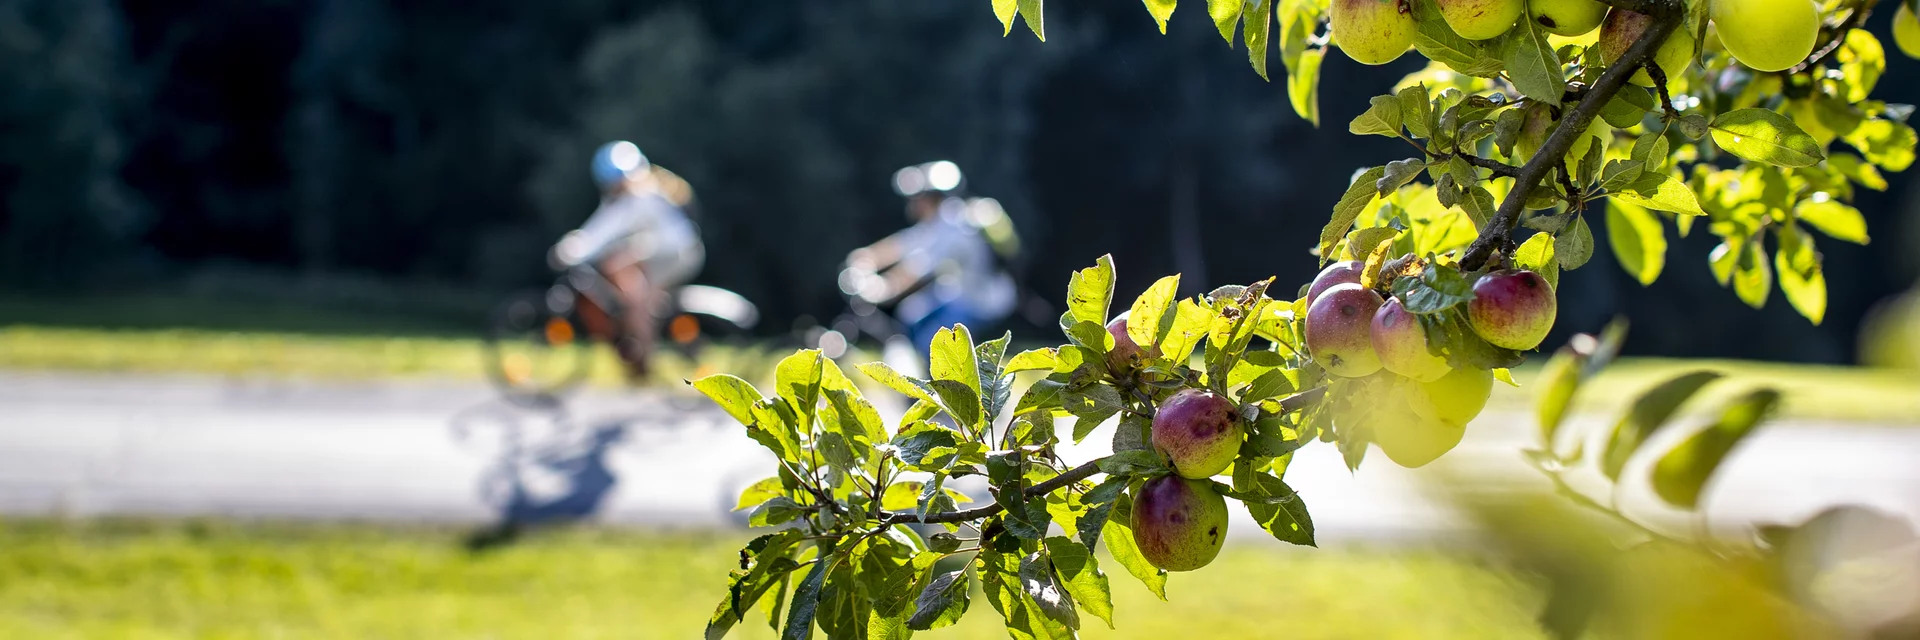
(93, 445)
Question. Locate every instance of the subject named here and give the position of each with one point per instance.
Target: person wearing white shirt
(944, 270)
(641, 238)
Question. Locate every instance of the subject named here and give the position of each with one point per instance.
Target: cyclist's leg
(639, 297)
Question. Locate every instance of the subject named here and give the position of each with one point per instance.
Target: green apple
(1623, 27)
(1481, 19)
(1567, 17)
(1767, 35)
(1372, 31)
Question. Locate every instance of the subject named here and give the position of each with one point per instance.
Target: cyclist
(642, 238)
(951, 266)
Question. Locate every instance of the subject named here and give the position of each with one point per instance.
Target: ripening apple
(1455, 399)
(1623, 27)
(1512, 308)
(1179, 524)
(1340, 328)
(1401, 342)
(1906, 31)
(1199, 431)
(1567, 17)
(1126, 355)
(1481, 19)
(1372, 31)
(1767, 35)
(1338, 273)
(1408, 438)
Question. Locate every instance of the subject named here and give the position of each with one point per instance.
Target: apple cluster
(1415, 403)
(1179, 520)
(1766, 35)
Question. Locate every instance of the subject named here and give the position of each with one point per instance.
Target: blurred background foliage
(290, 146)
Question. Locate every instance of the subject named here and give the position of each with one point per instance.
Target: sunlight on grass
(197, 580)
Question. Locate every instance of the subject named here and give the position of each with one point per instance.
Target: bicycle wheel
(536, 347)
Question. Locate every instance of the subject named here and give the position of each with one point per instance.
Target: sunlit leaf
(1683, 471)
(1638, 240)
(1764, 136)
(1648, 414)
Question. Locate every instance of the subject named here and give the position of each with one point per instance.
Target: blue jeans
(946, 315)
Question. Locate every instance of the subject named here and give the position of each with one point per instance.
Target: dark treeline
(446, 142)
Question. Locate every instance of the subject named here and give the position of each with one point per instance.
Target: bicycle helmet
(933, 177)
(616, 160)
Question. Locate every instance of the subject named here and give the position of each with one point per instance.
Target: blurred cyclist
(950, 267)
(641, 238)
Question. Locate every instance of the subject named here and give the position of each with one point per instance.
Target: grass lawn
(148, 579)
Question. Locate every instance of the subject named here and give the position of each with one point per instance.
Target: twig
(1497, 167)
(1497, 235)
(1660, 81)
(1294, 402)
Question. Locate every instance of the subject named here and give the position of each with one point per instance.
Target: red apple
(1512, 308)
(1340, 330)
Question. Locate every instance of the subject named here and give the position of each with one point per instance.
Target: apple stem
(1497, 236)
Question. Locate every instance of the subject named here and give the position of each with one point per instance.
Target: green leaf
(1161, 10)
(1638, 240)
(797, 378)
(1257, 16)
(1531, 62)
(1000, 582)
(1435, 40)
(1034, 360)
(1801, 278)
(1651, 150)
(1619, 175)
(1536, 255)
(1359, 194)
(1437, 289)
(1225, 14)
(1005, 10)
(1090, 406)
(1660, 191)
(951, 358)
(1190, 324)
(894, 597)
(1382, 118)
(1620, 112)
(1558, 381)
(1045, 591)
(1833, 218)
(919, 439)
(1120, 544)
(1139, 462)
(1683, 472)
(1090, 290)
(770, 565)
(1760, 135)
(1574, 246)
(806, 601)
(941, 602)
(1399, 173)
(1303, 85)
(734, 395)
(1080, 574)
(1885, 143)
(1030, 10)
(1649, 413)
(1415, 110)
(1506, 130)
(1857, 170)
(1274, 505)
(1451, 335)
(1148, 321)
(1752, 277)
(759, 492)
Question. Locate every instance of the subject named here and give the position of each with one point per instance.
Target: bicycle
(540, 343)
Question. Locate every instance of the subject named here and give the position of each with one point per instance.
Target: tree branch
(1293, 403)
(1497, 235)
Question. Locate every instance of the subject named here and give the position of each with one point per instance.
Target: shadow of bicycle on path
(553, 464)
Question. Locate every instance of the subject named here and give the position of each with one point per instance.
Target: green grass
(146, 579)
